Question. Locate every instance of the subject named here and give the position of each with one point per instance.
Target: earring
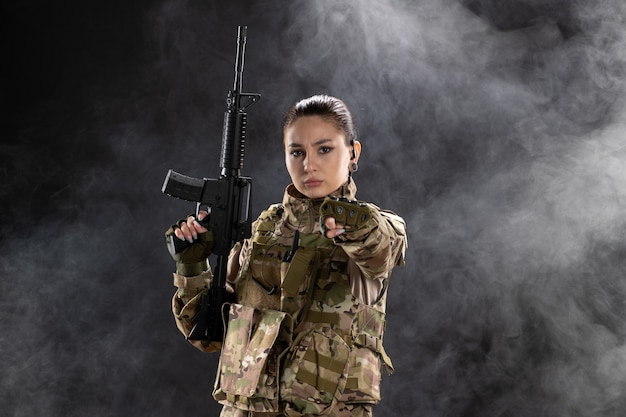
(354, 167)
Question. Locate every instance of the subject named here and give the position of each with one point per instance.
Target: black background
(495, 128)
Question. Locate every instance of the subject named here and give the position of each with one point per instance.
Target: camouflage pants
(340, 410)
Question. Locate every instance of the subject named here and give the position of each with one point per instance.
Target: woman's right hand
(188, 241)
(190, 229)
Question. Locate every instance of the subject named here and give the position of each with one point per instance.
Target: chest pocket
(265, 266)
(260, 282)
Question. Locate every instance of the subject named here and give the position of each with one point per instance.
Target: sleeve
(378, 246)
(186, 299)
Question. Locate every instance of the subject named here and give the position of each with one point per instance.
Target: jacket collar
(303, 212)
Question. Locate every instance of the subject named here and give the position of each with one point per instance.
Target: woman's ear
(356, 151)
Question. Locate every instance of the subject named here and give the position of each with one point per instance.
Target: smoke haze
(495, 128)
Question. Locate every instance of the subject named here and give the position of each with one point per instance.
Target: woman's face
(316, 155)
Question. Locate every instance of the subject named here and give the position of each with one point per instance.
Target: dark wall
(495, 128)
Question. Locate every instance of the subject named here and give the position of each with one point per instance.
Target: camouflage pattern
(185, 305)
(305, 337)
(340, 410)
(315, 373)
(249, 364)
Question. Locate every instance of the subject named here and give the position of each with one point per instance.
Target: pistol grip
(175, 245)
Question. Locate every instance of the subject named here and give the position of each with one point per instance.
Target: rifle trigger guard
(204, 222)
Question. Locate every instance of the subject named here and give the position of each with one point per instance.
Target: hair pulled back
(327, 107)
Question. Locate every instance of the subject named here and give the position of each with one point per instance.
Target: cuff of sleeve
(202, 280)
(191, 270)
(353, 236)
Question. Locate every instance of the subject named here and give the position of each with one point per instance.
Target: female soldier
(304, 335)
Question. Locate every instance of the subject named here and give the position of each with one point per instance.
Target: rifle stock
(227, 198)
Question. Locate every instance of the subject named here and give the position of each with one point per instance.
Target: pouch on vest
(314, 374)
(249, 364)
(363, 383)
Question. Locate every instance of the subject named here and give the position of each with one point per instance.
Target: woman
(305, 331)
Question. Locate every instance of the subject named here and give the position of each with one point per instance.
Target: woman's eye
(325, 149)
(296, 153)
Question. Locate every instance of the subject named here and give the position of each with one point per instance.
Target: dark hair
(329, 108)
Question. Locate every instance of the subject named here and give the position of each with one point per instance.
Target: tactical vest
(298, 340)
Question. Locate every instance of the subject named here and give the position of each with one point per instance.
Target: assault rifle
(227, 199)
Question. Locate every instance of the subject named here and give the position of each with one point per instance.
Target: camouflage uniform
(305, 335)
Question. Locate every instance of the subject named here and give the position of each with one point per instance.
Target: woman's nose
(310, 164)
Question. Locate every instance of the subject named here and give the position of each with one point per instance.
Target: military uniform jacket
(306, 329)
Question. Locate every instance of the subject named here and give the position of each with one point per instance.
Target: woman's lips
(312, 183)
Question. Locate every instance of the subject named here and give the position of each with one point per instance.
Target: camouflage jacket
(307, 327)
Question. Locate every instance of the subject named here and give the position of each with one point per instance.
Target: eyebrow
(316, 143)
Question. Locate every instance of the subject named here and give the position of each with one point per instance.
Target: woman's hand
(190, 243)
(190, 229)
(340, 214)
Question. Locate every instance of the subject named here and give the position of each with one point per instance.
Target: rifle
(227, 198)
